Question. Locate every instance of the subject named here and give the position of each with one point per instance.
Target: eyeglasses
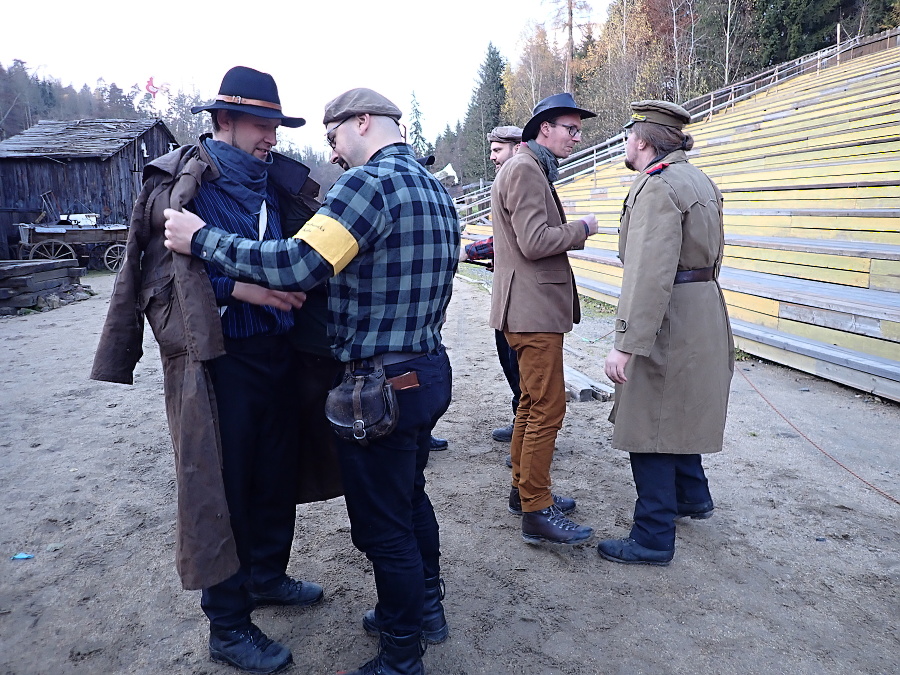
(571, 128)
(329, 136)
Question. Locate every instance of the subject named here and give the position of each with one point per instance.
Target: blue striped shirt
(240, 319)
(392, 296)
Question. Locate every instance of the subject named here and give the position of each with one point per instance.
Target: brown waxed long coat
(533, 286)
(173, 292)
(676, 396)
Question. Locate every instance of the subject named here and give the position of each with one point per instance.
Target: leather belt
(690, 276)
(392, 358)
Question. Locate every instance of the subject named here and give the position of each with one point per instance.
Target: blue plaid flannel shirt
(393, 294)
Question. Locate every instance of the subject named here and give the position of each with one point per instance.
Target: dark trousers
(509, 362)
(663, 482)
(255, 389)
(391, 518)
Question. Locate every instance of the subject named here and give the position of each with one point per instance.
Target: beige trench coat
(676, 396)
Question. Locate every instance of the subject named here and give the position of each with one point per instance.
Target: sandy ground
(797, 572)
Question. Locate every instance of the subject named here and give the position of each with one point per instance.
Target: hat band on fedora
(240, 100)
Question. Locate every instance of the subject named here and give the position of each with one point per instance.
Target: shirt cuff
(223, 287)
(204, 242)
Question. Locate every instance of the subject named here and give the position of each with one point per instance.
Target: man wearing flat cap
(504, 141)
(386, 240)
(534, 302)
(230, 375)
(674, 354)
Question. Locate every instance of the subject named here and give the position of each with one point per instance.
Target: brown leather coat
(533, 287)
(174, 294)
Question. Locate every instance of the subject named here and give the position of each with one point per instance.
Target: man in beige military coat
(674, 353)
(534, 303)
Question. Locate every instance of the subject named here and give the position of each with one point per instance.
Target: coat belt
(690, 276)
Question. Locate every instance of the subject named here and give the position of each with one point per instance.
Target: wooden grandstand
(810, 171)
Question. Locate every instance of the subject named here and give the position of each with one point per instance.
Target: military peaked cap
(658, 112)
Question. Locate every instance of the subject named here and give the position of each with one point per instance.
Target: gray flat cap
(359, 102)
(658, 112)
(505, 135)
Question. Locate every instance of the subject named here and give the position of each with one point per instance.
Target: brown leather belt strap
(240, 100)
(690, 276)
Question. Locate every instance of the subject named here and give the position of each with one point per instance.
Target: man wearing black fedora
(230, 374)
(534, 302)
(255, 380)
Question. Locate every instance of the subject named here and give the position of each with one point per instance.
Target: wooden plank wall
(90, 185)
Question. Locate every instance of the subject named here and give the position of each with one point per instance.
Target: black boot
(397, 655)
(434, 623)
(249, 649)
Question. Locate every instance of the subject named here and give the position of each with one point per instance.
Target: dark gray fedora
(246, 90)
(550, 107)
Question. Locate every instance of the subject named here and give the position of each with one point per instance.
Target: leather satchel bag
(363, 407)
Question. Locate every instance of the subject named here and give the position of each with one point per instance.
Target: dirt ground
(797, 572)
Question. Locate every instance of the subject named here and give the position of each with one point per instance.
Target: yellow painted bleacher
(810, 173)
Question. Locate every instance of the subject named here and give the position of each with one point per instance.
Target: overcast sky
(314, 49)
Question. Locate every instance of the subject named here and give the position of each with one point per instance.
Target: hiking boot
(551, 525)
(564, 504)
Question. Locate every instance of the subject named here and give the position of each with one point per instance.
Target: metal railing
(474, 207)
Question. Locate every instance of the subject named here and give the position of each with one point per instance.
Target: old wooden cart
(77, 237)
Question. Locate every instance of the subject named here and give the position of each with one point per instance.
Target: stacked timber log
(39, 285)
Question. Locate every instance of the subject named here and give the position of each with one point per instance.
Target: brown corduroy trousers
(542, 407)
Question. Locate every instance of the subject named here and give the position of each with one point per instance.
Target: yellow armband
(330, 239)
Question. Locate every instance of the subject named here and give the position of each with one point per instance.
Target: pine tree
(482, 116)
(420, 146)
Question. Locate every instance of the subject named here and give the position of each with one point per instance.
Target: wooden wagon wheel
(114, 256)
(52, 249)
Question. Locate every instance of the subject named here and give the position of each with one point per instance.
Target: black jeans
(509, 362)
(663, 482)
(256, 397)
(391, 518)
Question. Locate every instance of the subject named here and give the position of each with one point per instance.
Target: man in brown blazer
(674, 353)
(534, 302)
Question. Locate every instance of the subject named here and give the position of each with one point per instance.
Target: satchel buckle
(359, 430)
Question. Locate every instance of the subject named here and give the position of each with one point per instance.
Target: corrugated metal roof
(75, 138)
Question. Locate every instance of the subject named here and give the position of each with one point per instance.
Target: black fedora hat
(249, 91)
(550, 107)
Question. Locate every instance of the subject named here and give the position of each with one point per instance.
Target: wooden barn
(80, 166)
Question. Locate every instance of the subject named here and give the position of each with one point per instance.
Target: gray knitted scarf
(547, 159)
